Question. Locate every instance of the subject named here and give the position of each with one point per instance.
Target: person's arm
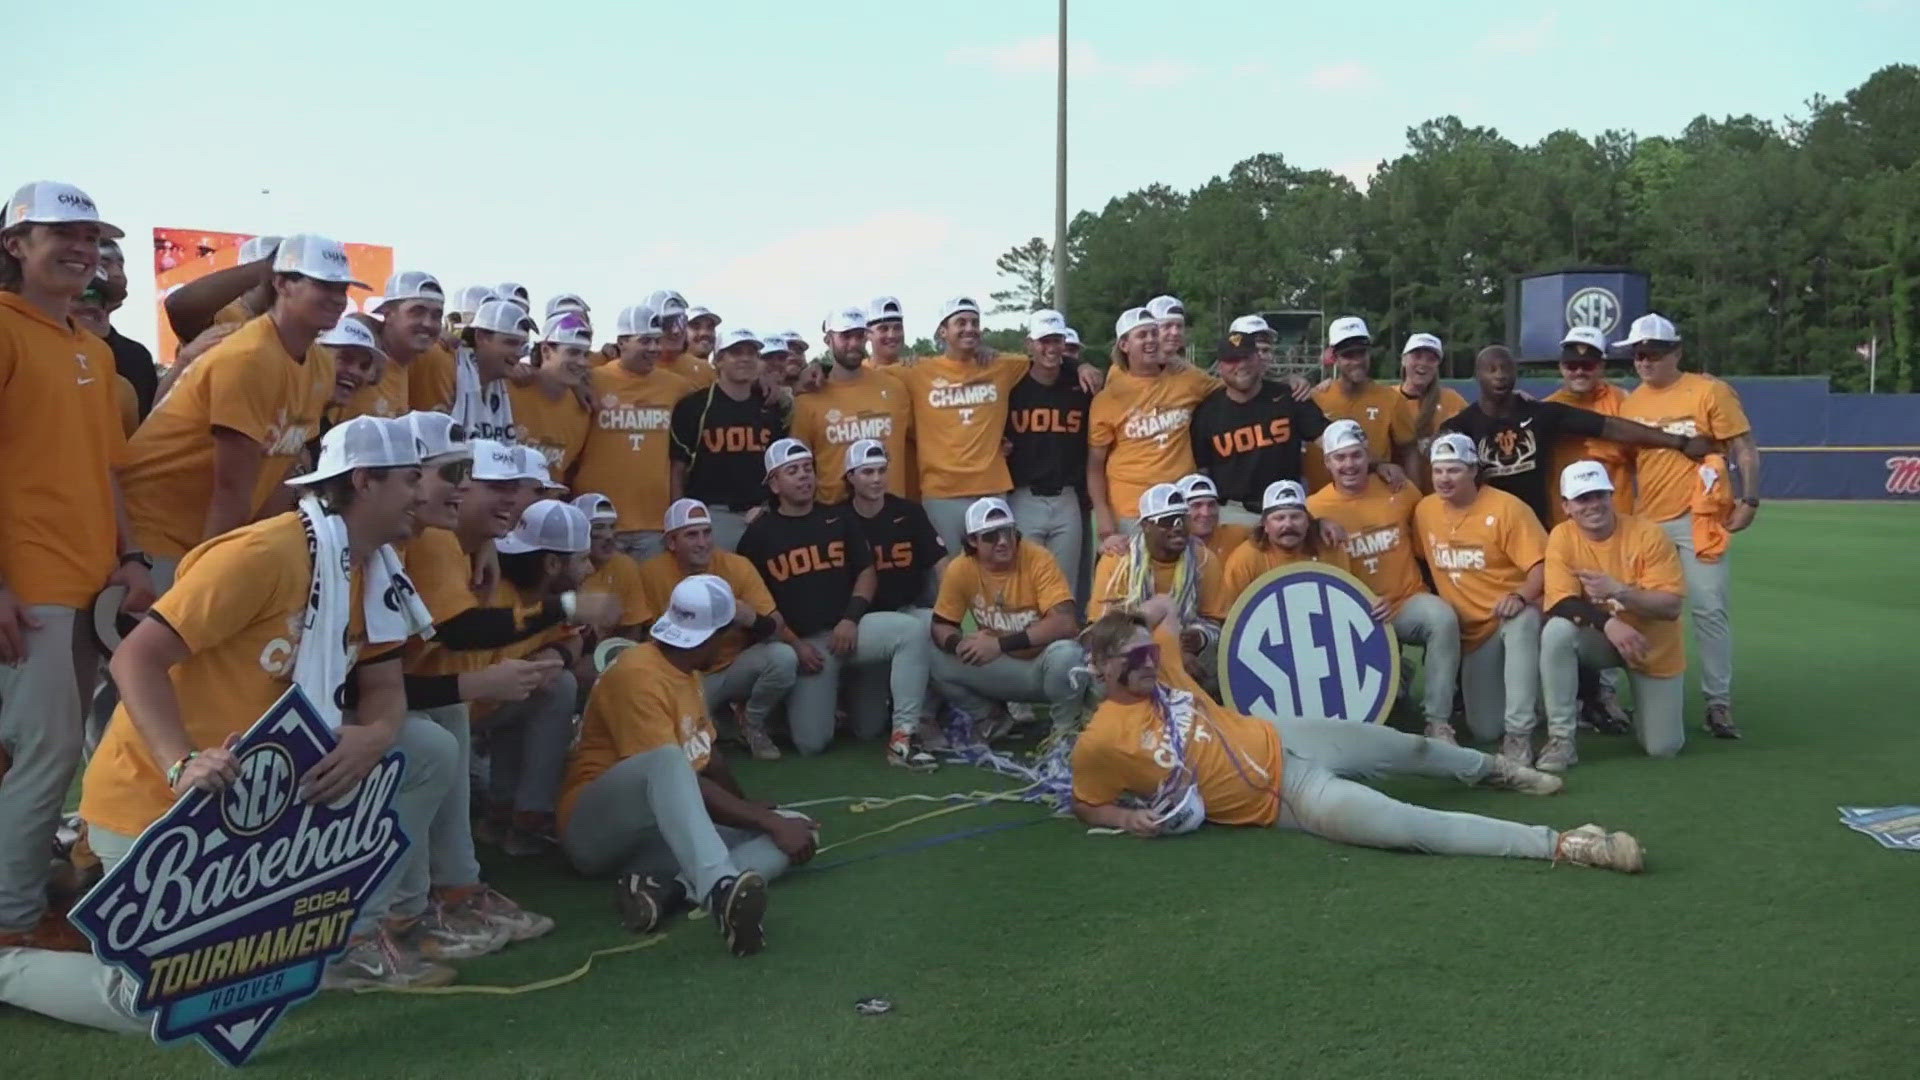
(1137, 822)
(237, 460)
(720, 772)
(366, 733)
(1060, 622)
(1650, 602)
(132, 572)
(676, 481)
(139, 668)
(946, 635)
(491, 628)
(1745, 455)
(1103, 521)
(1536, 584)
(1634, 433)
(793, 836)
(191, 307)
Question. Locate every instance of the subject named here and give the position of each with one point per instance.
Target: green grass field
(1761, 942)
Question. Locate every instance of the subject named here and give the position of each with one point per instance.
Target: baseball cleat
(1558, 755)
(1442, 733)
(1719, 722)
(1517, 747)
(739, 908)
(645, 902)
(1510, 775)
(1591, 845)
(905, 751)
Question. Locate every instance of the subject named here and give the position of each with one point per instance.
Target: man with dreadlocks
(1160, 758)
(1162, 560)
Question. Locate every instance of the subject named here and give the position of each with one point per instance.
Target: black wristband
(1015, 642)
(856, 607)
(952, 644)
(762, 628)
(1581, 611)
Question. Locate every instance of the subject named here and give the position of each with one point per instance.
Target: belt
(1048, 491)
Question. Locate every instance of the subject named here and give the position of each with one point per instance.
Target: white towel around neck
(484, 409)
(392, 606)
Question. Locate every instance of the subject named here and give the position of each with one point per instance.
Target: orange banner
(183, 255)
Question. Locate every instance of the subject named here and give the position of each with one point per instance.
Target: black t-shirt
(905, 549)
(1247, 445)
(1516, 450)
(809, 563)
(1047, 426)
(135, 364)
(722, 443)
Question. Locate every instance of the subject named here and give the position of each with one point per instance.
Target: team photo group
(536, 572)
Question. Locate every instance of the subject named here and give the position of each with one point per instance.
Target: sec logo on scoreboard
(1300, 642)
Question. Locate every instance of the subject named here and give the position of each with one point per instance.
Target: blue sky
(771, 160)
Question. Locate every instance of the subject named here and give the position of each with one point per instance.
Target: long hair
(1105, 636)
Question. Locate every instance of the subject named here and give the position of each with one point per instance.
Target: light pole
(1060, 177)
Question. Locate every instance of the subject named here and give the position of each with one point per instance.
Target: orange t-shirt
(959, 418)
(1479, 553)
(641, 703)
(1226, 539)
(659, 574)
(387, 397)
(238, 603)
(1111, 584)
(61, 437)
(246, 383)
(1382, 411)
(1606, 400)
(430, 380)
(1249, 561)
(873, 405)
(1380, 550)
(1638, 555)
(1003, 601)
(1235, 759)
(557, 427)
(128, 400)
(620, 577)
(442, 574)
(625, 454)
(235, 312)
(697, 372)
(1144, 421)
(1692, 405)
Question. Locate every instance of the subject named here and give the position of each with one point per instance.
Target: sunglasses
(1581, 365)
(455, 472)
(1650, 354)
(1138, 657)
(995, 536)
(1167, 522)
(1354, 354)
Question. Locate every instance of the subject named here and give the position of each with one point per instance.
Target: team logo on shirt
(1156, 424)
(1301, 643)
(845, 429)
(1509, 452)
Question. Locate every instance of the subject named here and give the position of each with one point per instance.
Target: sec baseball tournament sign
(227, 909)
(1300, 642)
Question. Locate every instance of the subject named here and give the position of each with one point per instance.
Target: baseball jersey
(1144, 422)
(1479, 553)
(1226, 539)
(696, 370)
(959, 417)
(1130, 750)
(1246, 445)
(1381, 550)
(555, 426)
(1606, 400)
(625, 455)
(1449, 405)
(1516, 448)
(809, 562)
(62, 437)
(1639, 555)
(721, 441)
(1003, 601)
(640, 703)
(430, 380)
(1112, 584)
(1382, 411)
(905, 550)
(870, 405)
(386, 397)
(659, 574)
(1047, 434)
(619, 577)
(1692, 405)
(246, 383)
(1250, 560)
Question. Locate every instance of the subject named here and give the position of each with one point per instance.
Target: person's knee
(431, 751)
(1558, 636)
(781, 665)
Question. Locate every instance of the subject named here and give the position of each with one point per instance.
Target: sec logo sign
(1595, 307)
(1299, 643)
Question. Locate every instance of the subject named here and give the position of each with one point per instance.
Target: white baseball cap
(1650, 327)
(1584, 478)
(988, 514)
(884, 309)
(1073, 336)
(954, 305)
(1162, 500)
(866, 452)
(495, 460)
(439, 436)
(313, 256)
(351, 333)
(534, 467)
(568, 327)
(364, 442)
(1341, 434)
(1590, 336)
(843, 320)
(1046, 323)
(1348, 328)
(696, 313)
(513, 290)
(409, 285)
(1249, 324)
(685, 513)
(1423, 341)
(1167, 308)
(701, 606)
(1281, 494)
(1453, 446)
(567, 301)
(670, 304)
(548, 525)
(596, 506)
(1197, 486)
(739, 335)
(260, 247)
(1132, 319)
(49, 202)
(785, 452)
(503, 317)
(639, 320)
(468, 300)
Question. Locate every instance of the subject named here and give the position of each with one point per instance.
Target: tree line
(1780, 248)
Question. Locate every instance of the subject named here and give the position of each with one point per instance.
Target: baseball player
(1139, 427)
(857, 402)
(625, 456)
(1249, 432)
(908, 559)
(1203, 517)
(1380, 410)
(1287, 535)
(1160, 561)
(1046, 442)
(720, 434)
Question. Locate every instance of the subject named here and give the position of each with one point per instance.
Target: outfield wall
(1816, 444)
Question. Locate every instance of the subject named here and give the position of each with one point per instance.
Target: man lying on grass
(1190, 761)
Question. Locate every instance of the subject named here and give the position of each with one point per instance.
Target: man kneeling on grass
(650, 799)
(1158, 739)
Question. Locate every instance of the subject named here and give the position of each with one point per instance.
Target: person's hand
(596, 609)
(1327, 383)
(1697, 447)
(979, 648)
(1599, 586)
(16, 622)
(1631, 644)
(210, 770)
(1381, 611)
(744, 616)
(360, 748)
(810, 659)
(812, 377)
(1509, 606)
(486, 571)
(1741, 517)
(139, 582)
(1138, 823)
(797, 838)
(1301, 388)
(511, 680)
(524, 374)
(846, 635)
(1394, 475)
(1155, 609)
(1332, 533)
(1192, 640)
(1091, 378)
(1113, 544)
(192, 350)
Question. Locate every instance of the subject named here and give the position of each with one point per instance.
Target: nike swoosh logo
(83, 382)
(900, 521)
(833, 521)
(1527, 421)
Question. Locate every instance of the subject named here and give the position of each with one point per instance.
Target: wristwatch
(1751, 502)
(140, 557)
